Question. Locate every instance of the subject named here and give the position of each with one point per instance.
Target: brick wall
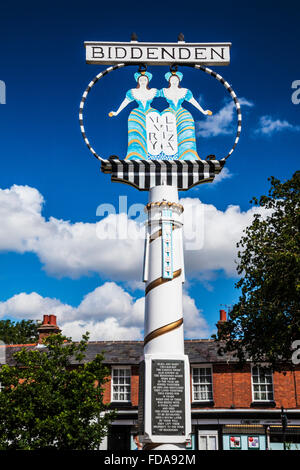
(107, 391)
(285, 393)
(232, 387)
(222, 386)
(242, 392)
(135, 386)
(297, 386)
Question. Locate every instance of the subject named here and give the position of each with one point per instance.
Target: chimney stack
(48, 327)
(223, 316)
(223, 319)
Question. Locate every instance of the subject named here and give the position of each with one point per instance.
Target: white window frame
(119, 385)
(261, 400)
(208, 434)
(202, 366)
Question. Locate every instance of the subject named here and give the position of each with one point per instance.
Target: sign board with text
(164, 408)
(109, 53)
(168, 387)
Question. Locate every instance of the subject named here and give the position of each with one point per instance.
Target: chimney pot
(52, 320)
(45, 319)
(222, 321)
(223, 316)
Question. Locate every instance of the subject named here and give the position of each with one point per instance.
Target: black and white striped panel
(143, 174)
(233, 96)
(83, 100)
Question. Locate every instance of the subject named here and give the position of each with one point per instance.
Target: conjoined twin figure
(173, 129)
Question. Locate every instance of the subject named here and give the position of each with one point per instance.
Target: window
(262, 384)
(208, 440)
(202, 384)
(121, 378)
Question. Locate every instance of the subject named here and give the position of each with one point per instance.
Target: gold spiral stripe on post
(162, 330)
(155, 235)
(160, 281)
(158, 234)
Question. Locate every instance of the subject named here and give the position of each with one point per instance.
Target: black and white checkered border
(199, 67)
(143, 174)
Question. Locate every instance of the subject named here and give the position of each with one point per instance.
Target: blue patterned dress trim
(186, 135)
(137, 135)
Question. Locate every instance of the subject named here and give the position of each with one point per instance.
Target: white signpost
(165, 419)
(162, 158)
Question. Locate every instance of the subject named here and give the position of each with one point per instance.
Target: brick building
(233, 407)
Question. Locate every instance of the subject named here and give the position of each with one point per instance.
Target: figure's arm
(197, 106)
(123, 105)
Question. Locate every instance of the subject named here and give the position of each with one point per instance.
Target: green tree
(48, 402)
(266, 320)
(21, 332)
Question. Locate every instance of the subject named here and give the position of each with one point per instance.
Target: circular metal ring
(233, 96)
(82, 103)
(199, 67)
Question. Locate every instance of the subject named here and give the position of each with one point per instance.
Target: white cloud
(268, 126)
(195, 325)
(221, 123)
(110, 312)
(223, 175)
(216, 233)
(106, 330)
(111, 300)
(67, 249)
(33, 306)
(75, 249)
(20, 215)
(107, 313)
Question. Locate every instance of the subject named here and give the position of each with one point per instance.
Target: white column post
(165, 397)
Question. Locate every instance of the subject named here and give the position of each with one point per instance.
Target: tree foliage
(47, 402)
(266, 320)
(21, 332)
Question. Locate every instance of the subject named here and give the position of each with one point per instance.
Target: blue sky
(51, 260)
